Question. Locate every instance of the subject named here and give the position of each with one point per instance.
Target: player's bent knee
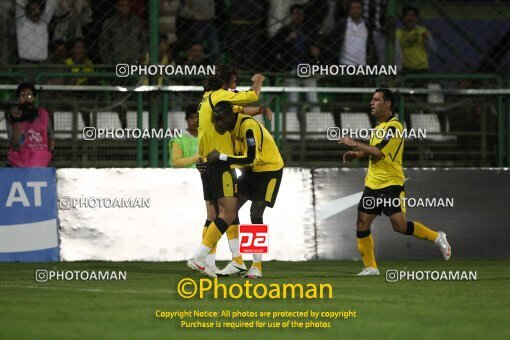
(399, 227)
(362, 225)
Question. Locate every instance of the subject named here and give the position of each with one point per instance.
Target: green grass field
(126, 309)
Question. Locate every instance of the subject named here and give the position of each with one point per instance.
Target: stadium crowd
(264, 35)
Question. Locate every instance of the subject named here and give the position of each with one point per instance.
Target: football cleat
(369, 271)
(253, 273)
(443, 245)
(202, 267)
(233, 268)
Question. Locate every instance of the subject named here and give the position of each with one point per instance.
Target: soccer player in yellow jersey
(218, 179)
(256, 151)
(384, 183)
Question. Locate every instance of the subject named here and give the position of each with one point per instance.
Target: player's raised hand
(257, 77)
(349, 156)
(268, 113)
(213, 156)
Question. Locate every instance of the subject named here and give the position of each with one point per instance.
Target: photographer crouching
(29, 130)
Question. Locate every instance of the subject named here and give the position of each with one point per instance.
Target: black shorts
(387, 200)
(261, 186)
(219, 180)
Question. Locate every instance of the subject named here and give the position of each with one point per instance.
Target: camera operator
(29, 130)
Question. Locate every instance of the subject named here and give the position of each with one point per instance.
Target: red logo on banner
(253, 238)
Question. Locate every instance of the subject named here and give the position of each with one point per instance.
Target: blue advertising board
(28, 215)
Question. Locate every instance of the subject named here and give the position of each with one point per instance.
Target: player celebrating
(256, 151)
(219, 180)
(385, 183)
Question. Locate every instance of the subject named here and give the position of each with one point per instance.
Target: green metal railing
(159, 97)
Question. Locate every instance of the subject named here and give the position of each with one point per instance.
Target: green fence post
(139, 124)
(153, 80)
(277, 116)
(165, 126)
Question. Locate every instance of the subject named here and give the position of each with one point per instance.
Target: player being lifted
(384, 183)
(256, 151)
(218, 179)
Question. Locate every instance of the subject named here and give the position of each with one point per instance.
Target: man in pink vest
(30, 132)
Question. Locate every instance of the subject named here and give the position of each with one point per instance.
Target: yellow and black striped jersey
(248, 132)
(388, 170)
(208, 138)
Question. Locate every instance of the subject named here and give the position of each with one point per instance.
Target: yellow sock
(366, 250)
(233, 242)
(257, 265)
(233, 231)
(420, 231)
(214, 232)
(203, 232)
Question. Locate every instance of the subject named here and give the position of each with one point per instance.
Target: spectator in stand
(83, 64)
(168, 19)
(58, 55)
(165, 57)
(246, 46)
(293, 46)
(32, 30)
(122, 39)
(201, 15)
(29, 131)
(70, 17)
(79, 57)
(58, 52)
(379, 28)
(416, 42)
(351, 41)
(196, 55)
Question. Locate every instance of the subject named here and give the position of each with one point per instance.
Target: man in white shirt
(354, 49)
(32, 29)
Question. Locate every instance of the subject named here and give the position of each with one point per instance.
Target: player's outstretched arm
(257, 110)
(246, 159)
(350, 155)
(365, 148)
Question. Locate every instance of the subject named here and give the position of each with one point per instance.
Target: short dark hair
(24, 86)
(190, 109)
(221, 109)
(388, 95)
(353, 1)
(296, 6)
(222, 74)
(408, 8)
